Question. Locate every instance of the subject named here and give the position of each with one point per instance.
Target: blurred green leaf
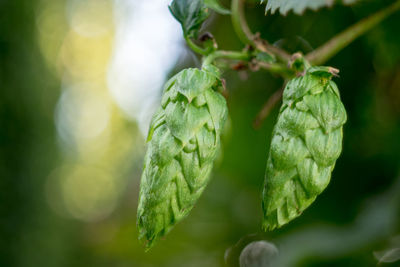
(265, 57)
(388, 256)
(191, 14)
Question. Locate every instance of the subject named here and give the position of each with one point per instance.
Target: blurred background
(79, 82)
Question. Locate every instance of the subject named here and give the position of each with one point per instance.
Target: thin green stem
(247, 37)
(195, 47)
(271, 102)
(343, 39)
(278, 68)
(239, 22)
(235, 55)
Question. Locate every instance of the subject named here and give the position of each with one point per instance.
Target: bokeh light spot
(89, 193)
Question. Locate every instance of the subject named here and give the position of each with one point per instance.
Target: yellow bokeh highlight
(86, 58)
(97, 141)
(89, 192)
(91, 17)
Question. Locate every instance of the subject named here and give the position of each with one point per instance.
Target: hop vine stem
(235, 55)
(247, 37)
(277, 68)
(321, 54)
(343, 39)
(267, 107)
(239, 22)
(197, 49)
(316, 57)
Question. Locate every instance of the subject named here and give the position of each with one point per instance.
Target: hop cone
(306, 141)
(183, 141)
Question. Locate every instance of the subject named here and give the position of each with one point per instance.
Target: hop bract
(306, 141)
(183, 141)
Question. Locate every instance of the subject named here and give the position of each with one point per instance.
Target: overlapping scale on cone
(306, 141)
(183, 141)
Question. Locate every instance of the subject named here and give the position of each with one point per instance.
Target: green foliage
(183, 141)
(190, 14)
(307, 140)
(298, 6)
(265, 57)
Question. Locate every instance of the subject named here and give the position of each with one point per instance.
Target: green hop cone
(306, 141)
(183, 142)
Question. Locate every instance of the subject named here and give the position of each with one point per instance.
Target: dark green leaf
(191, 14)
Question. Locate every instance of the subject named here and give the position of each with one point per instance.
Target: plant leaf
(191, 14)
(217, 7)
(265, 57)
(298, 6)
(388, 256)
